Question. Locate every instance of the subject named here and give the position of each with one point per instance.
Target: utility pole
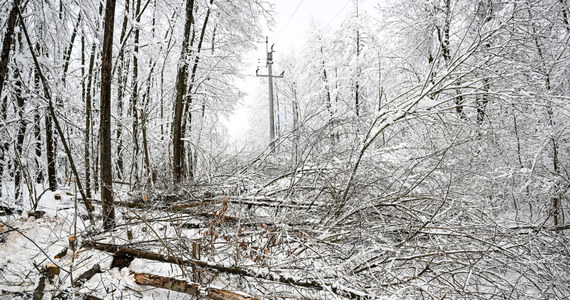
(270, 76)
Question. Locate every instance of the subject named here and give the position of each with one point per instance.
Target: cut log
(71, 239)
(51, 271)
(83, 278)
(168, 283)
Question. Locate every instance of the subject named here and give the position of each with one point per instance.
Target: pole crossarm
(266, 76)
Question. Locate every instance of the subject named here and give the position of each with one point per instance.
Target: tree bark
(50, 152)
(181, 78)
(67, 53)
(6, 47)
(121, 80)
(325, 78)
(168, 283)
(144, 119)
(105, 126)
(4, 59)
(135, 96)
(443, 36)
(86, 135)
(21, 134)
(89, 118)
(38, 147)
(357, 103)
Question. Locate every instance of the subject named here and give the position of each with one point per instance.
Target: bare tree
(181, 79)
(105, 127)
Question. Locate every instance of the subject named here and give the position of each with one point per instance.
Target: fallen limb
(312, 284)
(541, 227)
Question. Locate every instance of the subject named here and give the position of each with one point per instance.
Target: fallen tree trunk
(217, 294)
(182, 286)
(312, 284)
(168, 283)
(239, 201)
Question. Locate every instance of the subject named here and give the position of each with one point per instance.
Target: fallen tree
(267, 275)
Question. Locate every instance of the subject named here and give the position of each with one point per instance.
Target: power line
(288, 21)
(338, 13)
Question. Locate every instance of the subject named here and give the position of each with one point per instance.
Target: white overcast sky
(292, 34)
(292, 21)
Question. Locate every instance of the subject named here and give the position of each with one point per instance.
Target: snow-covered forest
(420, 151)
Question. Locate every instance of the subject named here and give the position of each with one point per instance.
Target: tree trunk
(89, 118)
(556, 211)
(144, 119)
(135, 96)
(105, 126)
(21, 134)
(443, 36)
(328, 97)
(50, 153)
(181, 78)
(6, 47)
(565, 14)
(4, 59)
(188, 102)
(357, 103)
(121, 80)
(67, 53)
(86, 135)
(38, 147)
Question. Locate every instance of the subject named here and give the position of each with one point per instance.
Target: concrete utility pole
(270, 76)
